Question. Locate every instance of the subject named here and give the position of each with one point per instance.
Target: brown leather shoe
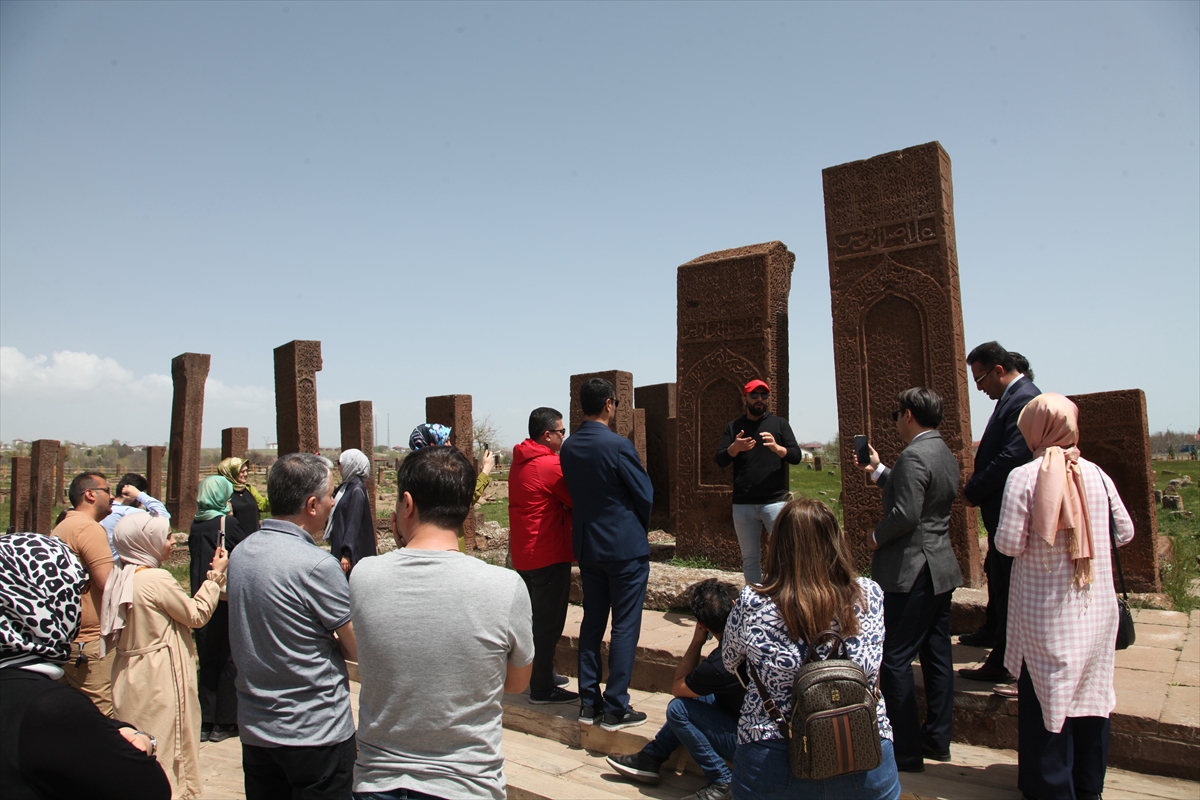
(988, 674)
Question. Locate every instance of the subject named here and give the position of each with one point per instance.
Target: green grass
(1180, 570)
(807, 482)
(496, 511)
(694, 562)
(181, 573)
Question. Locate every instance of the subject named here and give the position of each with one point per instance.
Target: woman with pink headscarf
(1062, 621)
(148, 618)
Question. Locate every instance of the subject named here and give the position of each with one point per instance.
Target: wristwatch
(153, 741)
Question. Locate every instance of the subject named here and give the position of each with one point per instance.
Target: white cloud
(69, 376)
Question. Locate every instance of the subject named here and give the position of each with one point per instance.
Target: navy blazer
(1001, 450)
(611, 494)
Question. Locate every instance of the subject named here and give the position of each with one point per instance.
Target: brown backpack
(833, 730)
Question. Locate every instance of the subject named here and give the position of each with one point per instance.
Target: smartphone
(221, 535)
(862, 450)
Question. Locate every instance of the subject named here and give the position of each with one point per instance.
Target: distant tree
(486, 432)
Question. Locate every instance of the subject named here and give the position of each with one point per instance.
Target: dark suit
(612, 497)
(1001, 450)
(916, 567)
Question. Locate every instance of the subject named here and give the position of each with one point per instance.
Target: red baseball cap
(755, 384)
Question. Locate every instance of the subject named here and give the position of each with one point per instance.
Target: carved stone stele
(626, 421)
(296, 366)
(897, 322)
(189, 371)
(658, 401)
(455, 412)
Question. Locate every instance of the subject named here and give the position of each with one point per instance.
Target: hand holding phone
(862, 450)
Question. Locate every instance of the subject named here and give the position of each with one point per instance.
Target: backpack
(833, 730)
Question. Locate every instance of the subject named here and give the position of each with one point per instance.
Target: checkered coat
(1066, 637)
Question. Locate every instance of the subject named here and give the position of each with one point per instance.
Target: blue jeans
(705, 731)
(761, 770)
(749, 521)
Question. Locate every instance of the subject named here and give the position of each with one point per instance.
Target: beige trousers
(93, 677)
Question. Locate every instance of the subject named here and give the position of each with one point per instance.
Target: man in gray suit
(914, 563)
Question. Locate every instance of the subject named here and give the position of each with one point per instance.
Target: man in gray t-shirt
(441, 636)
(290, 633)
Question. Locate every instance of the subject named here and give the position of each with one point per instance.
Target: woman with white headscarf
(351, 526)
(54, 742)
(148, 618)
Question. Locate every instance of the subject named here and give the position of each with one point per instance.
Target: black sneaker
(222, 732)
(556, 696)
(205, 732)
(714, 791)
(638, 766)
(587, 715)
(561, 680)
(930, 752)
(627, 719)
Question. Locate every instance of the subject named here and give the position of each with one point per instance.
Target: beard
(757, 409)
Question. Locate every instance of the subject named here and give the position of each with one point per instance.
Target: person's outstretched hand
(489, 462)
(741, 444)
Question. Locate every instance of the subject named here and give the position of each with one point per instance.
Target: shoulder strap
(769, 704)
(1112, 536)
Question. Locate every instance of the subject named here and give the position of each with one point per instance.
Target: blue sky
(487, 198)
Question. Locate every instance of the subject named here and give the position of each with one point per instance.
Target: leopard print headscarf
(40, 584)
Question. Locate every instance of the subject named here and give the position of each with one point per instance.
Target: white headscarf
(140, 540)
(354, 463)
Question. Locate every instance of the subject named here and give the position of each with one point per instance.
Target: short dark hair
(593, 394)
(541, 420)
(926, 405)
(711, 605)
(1022, 364)
(441, 482)
(295, 478)
(134, 480)
(81, 483)
(989, 354)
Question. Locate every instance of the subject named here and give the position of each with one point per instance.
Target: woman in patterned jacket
(808, 585)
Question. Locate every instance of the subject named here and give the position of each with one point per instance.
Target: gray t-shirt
(436, 631)
(286, 597)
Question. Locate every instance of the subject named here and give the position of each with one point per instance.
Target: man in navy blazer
(1004, 376)
(612, 496)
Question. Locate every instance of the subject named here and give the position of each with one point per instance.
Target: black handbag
(1126, 635)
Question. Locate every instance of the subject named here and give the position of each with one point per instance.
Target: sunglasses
(759, 395)
(896, 414)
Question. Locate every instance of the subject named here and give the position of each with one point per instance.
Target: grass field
(1179, 573)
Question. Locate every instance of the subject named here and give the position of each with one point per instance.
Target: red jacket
(539, 508)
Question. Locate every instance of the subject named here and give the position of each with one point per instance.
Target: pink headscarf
(140, 540)
(1050, 425)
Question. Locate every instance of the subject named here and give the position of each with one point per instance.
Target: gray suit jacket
(917, 495)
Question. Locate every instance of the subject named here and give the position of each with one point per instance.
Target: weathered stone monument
(234, 442)
(358, 433)
(189, 371)
(732, 327)
(454, 411)
(154, 476)
(296, 366)
(897, 321)
(1114, 434)
(626, 421)
(60, 474)
(18, 510)
(658, 403)
(43, 458)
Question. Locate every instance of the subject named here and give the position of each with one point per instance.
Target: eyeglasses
(615, 401)
(560, 431)
(759, 395)
(979, 380)
(896, 414)
(101, 489)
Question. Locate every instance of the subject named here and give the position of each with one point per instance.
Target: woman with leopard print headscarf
(54, 743)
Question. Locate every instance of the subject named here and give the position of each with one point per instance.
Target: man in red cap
(760, 445)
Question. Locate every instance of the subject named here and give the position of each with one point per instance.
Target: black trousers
(549, 592)
(218, 695)
(299, 773)
(917, 622)
(998, 568)
(1066, 765)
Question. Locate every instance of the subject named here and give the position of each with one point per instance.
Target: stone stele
(234, 442)
(625, 421)
(358, 433)
(1113, 433)
(658, 402)
(732, 321)
(897, 322)
(154, 470)
(454, 411)
(18, 510)
(189, 371)
(296, 366)
(43, 458)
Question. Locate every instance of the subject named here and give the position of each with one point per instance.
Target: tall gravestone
(658, 403)
(626, 421)
(296, 366)
(43, 458)
(154, 470)
(234, 442)
(1114, 434)
(60, 475)
(358, 433)
(897, 322)
(18, 510)
(189, 371)
(454, 411)
(732, 328)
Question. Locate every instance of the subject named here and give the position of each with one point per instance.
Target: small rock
(1158, 495)
(822, 493)
(831, 472)
(1172, 502)
(1174, 483)
(1186, 480)
(1169, 472)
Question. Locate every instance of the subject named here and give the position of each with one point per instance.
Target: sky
(485, 198)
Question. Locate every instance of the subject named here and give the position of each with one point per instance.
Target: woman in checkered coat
(1062, 621)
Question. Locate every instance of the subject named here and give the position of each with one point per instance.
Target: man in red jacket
(539, 514)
